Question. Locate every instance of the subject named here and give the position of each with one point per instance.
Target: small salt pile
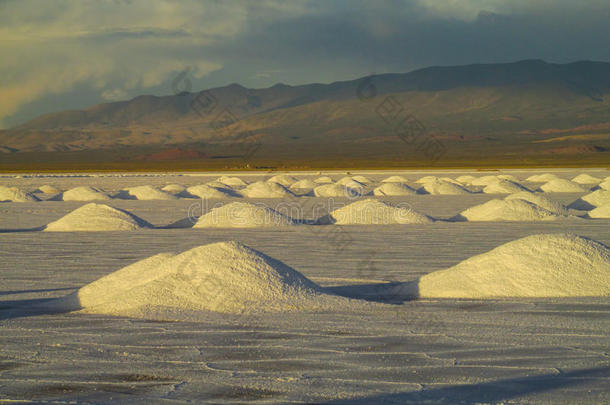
(13, 194)
(84, 194)
(243, 215)
(374, 212)
(94, 217)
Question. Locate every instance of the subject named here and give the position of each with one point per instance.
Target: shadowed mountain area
(523, 113)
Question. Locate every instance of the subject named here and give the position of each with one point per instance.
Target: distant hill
(513, 111)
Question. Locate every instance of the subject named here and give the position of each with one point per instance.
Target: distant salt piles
(562, 186)
(84, 194)
(243, 215)
(231, 181)
(283, 179)
(560, 265)
(541, 201)
(206, 191)
(592, 200)
(442, 187)
(542, 178)
(263, 189)
(225, 277)
(502, 186)
(146, 193)
(336, 190)
(395, 179)
(13, 194)
(506, 210)
(48, 189)
(94, 217)
(586, 179)
(393, 189)
(305, 184)
(374, 212)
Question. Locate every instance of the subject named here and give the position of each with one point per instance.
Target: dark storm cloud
(110, 50)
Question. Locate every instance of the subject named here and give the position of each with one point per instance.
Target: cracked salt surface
(513, 350)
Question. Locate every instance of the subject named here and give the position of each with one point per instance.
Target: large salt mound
(393, 189)
(323, 180)
(506, 210)
(426, 179)
(542, 178)
(225, 277)
(13, 194)
(508, 177)
(148, 193)
(395, 179)
(349, 182)
(562, 186)
(305, 184)
(485, 180)
(541, 201)
(586, 179)
(97, 217)
(605, 185)
(443, 187)
(48, 189)
(283, 179)
(206, 191)
(231, 181)
(84, 194)
(592, 200)
(173, 188)
(374, 212)
(242, 215)
(600, 212)
(335, 190)
(466, 179)
(561, 265)
(263, 189)
(217, 184)
(361, 179)
(501, 186)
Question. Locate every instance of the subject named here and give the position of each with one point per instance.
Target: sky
(72, 54)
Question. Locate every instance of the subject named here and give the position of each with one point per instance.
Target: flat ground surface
(430, 351)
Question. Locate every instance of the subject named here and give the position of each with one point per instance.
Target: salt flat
(512, 350)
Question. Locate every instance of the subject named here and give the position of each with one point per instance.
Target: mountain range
(522, 113)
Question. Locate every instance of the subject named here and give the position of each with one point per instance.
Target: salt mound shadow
(243, 215)
(225, 277)
(13, 194)
(94, 217)
(547, 265)
(373, 212)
